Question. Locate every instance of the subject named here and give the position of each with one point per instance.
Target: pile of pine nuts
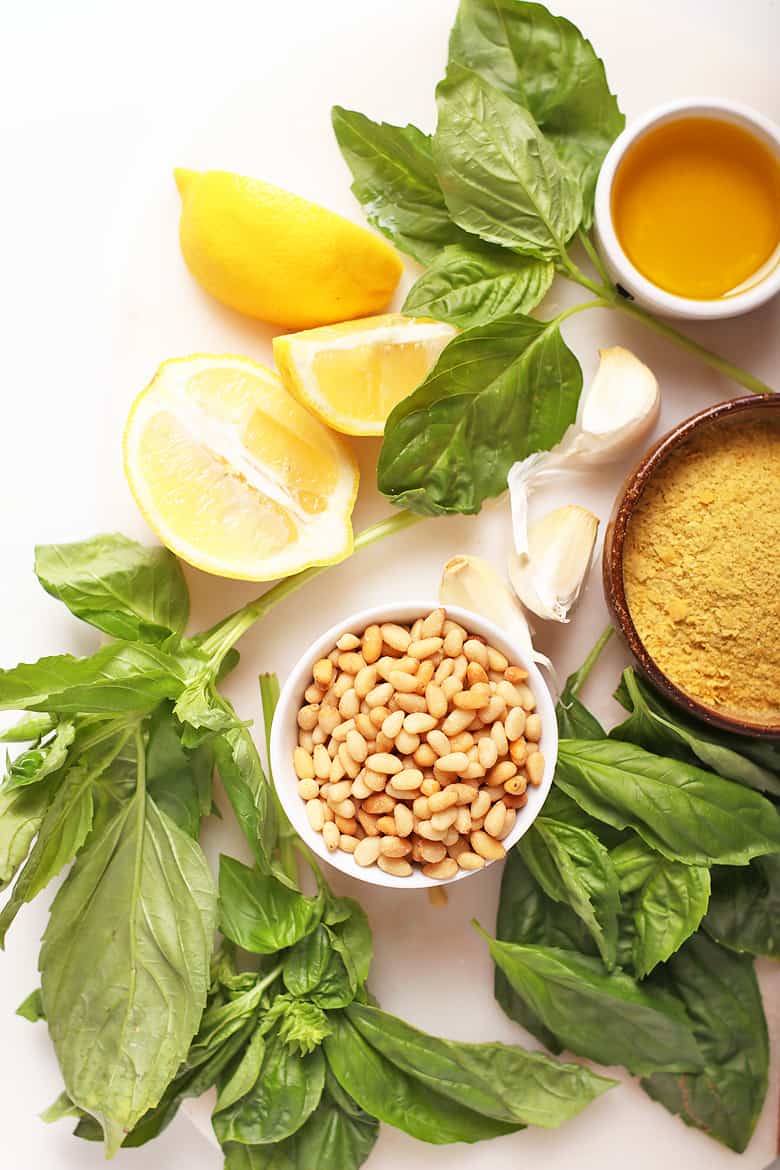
(416, 744)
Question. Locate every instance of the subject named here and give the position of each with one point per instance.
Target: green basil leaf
(142, 898)
(497, 393)
(279, 1156)
(395, 181)
(574, 719)
(199, 707)
(307, 962)
(333, 1139)
(28, 728)
(62, 832)
(527, 915)
(261, 914)
(572, 866)
(545, 63)
(604, 1016)
(387, 1093)
(283, 1097)
(671, 899)
(244, 782)
(496, 1080)
(60, 1109)
(721, 994)
(125, 676)
(36, 764)
(179, 781)
(500, 176)
(31, 1008)
(21, 813)
(244, 1076)
(682, 811)
(351, 936)
(744, 910)
(473, 284)
(561, 807)
(117, 585)
(655, 725)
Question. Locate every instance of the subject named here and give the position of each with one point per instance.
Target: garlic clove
(619, 410)
(474, 584)
(549, 577)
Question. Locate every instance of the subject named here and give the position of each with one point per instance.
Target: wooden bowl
(760, 406)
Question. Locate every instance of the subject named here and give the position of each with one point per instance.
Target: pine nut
(346, 825)
(349, 843)
(456, 722)
(425, 829)
(476, 674)
(422, 808)
(406, 743)
(527, 697)
(339, 792)
(395, 636)
(460, 666)
(518, 752)
(462, 821)
(394, 847)
(403, 682)
(432, 851)
(396, 866)
(436, 701)
(404, 820)
(425, 648)
(367, 851)
(462, 742)
(343, 683)
(315, 812)
(433, 625)
(496, 660)
(371, 644)
(336, 770)
(487, 752)
(407, 780)
(356, 745)
(516, 785)
(464, 793)
(476, 651)
(379, 803)
(376, 781)
(509, 824)
(500, 773)
(453, 762)
(330, 836)
(393, 724)
(349, 704)
(509, 692)
(382, 743)
(365, 681)
(318, 736)
(322, 762)
(424, 675)
(377, 716)
(303, 764)
(533, 728)
(494, 710)
(494, 821)
(351, 767)
(308, 716)
(471, 861)
(346, 809)
(515, 674)
(401, 793)
(443, 670)
(486, 846)
(442, 870)
(386, 825)
(416, 631)
(380, 696)
(430, 786)
(410, 703)
(445, 819)
(323, 672)
(351, 662)
(341, 731)
(365, 727)
(498, 735)
(313, 693)
(451, 686)
(419, 722)
(308, 789)
(348, 642)
(515, 802)
(439, 742)
(425, 756)
(440, 801)
(514, 724)
(481, 805)
(453, 643)
(534, 767)
(384, 762)
(367, 823)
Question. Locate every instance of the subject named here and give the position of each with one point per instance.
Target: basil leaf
(178, 780)
(141, 899)
(473, 284)
(62, 832)
(683, 812)
(36, 764)
(244, 1076)
(21, 813)
(125, 676)
(744, 910)
(307, 962)
(27, 729)
(387, 1093)
(244, 782)
(394, 179)
(671, 900)
(574, 719)
(603, 1016)
(497, 393)
(656, 726)
(261, 914)
(284, 1095)
(545, 63)
(495, 1080)
(279, 1156)
(560, 807)
(31, 1008)
(572, 866)
(117, 585)
(527, 915)
(721, 994)
(351, 936)
(500, 176)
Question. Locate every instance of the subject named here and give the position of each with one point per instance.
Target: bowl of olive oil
(688, 209)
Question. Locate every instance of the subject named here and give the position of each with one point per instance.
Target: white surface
(284, 736)
(99, 101)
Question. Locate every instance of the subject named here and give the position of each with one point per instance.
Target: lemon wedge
(351, 375)
(234, 475)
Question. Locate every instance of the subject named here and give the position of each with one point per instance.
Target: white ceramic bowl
(757, 289)
(284, 733)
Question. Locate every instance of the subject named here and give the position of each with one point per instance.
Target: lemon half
(352, 375)
(234, 475)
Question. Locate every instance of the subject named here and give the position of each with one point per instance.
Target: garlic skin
(474, 584)
(618, 411)
(549, 577)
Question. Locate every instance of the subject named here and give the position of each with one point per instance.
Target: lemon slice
(233, 475)
(352, 375)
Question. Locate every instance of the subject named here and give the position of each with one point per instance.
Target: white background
(99, 101)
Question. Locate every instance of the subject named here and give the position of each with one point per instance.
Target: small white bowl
(754, 291)
(284, 733)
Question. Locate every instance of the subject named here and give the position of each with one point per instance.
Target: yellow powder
(701, 568)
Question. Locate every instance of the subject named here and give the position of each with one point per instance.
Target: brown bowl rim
(612, 560)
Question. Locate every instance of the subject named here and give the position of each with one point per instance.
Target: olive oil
(696, 206)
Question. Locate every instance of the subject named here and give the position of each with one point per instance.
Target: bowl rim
(644, 290)
(614, 544)
(284, 729)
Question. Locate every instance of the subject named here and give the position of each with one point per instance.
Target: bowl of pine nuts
(413, 745)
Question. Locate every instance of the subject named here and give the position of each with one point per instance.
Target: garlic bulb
(474, 584)
(549, 576)
(619, 409)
